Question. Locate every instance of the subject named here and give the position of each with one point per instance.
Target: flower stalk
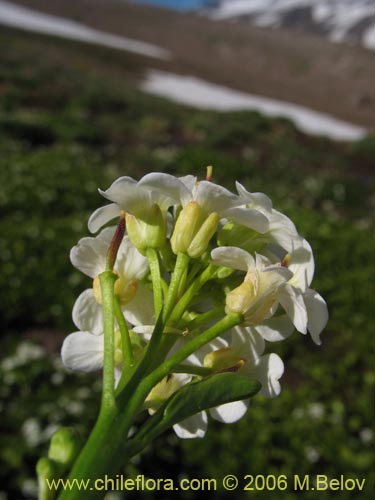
(210, 312)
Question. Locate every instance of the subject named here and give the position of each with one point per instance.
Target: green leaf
(194, 398)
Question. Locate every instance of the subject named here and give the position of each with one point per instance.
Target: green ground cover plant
(70, 121)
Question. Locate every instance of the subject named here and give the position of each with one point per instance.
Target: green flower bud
(148, 232)
(200, 241)
(233, 234)
(47, 471)
(65, 446)
(223, 360)
(240, 299)
(187, 225)
(193, 230)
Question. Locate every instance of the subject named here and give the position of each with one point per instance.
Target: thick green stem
(154, 264)
(107, 281)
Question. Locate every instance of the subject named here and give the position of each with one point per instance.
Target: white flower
(256, 297)
(281, 230)
(243, 353)
(83, 350)
(213, 198)
(137, 198)
(306, 308)
(89, 256)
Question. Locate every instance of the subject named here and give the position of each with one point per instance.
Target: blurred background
(279, 95)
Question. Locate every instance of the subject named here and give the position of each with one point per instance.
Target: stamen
(210, 169)
(286, 260)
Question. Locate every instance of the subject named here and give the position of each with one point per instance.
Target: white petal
(283, 231)
(230, 412)
(271, 279)
(292, 301)
(317, 312)
(89, 255)
(233, 257)
(268, 371)
(140, 310)
(103, 215)
(189, 181)
(144, 331)
(166, 189)
(82, 351)
(302, 265)
(257, 200)
(129, 196)
(276, 328)
(87, 313)
(248, 217)
(130, 264)
(197, 358)
(192, 427)
(247, 342)
(214, 198)
(118, 189)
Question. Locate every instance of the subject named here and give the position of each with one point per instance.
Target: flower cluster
(194, 253)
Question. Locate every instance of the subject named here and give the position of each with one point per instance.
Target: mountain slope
(308, 71)
(351, 21)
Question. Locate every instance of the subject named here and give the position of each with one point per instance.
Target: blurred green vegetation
(71, 121)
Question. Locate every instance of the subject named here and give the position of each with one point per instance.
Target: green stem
(148, 382)
(181, 265)
(200, 371)
(107, 281)
(127, 350)
(204, 318)
(105, 449)
(190, 293)
(154, 264)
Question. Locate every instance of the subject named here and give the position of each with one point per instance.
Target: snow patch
(368, 39)
(32, 20)
(201, 94)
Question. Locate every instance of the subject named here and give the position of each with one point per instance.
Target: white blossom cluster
(260, 267)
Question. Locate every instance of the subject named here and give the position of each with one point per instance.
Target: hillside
(72, 120)
(335, 79)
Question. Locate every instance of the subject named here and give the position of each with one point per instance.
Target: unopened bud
(239, 300)
(148, 232)
(223, 360)
(64, 447)
(200, 241)
(47, 470)
(187, 225)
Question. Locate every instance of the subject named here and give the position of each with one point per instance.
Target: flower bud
(200, 241)
(64, 447)
(47, 470)
(255, 297)
(148, 232)
(233, 234)
(188, 222)
(223, 360)
(124, 289)
(239, 300)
